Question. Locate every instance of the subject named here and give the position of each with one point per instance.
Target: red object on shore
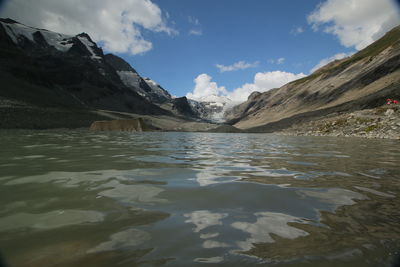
(390, 101)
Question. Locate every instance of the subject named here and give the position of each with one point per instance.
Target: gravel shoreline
(382, 122)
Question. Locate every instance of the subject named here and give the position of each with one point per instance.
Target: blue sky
(227, 48)
(233, 31)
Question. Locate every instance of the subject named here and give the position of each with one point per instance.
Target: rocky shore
(381, 122)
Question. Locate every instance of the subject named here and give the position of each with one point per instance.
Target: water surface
(77, 198)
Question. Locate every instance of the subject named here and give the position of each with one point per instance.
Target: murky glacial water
(77, 198)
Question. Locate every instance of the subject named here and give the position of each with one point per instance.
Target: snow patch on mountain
(89, 44)
(154, 91)
(16, 31)
(129, 78)
(150, 82)
(62, 42)
(157, 89)
(132, 80)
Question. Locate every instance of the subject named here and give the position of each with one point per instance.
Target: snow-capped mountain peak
(17, 32)
(90, 45)
(21, 34)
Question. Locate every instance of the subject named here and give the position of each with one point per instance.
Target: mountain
(66, 71)
(47, 76)
(152, 91)
(363, 81)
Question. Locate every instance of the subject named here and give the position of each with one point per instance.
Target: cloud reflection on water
(268, 223)
(122, 240)
(204, 218)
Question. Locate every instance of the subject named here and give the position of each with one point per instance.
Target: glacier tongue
(211, 107)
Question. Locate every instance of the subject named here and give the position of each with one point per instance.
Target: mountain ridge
(361, 81)
(70, 69)
(47, 73)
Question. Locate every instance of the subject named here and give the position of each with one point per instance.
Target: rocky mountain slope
(362, 81)
(49, 69)
(56, 80)
(145, 87)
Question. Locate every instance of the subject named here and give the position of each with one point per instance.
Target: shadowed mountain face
(364, 80)
(48, 69)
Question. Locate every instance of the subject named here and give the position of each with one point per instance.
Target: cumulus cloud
(204, 88)
(325, 61)
(357, 23)
(241, 65)
(116, 24)
(263, 81)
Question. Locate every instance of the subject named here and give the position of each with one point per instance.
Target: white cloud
(117, 24)
(204, 87)
(273, 79)
(195, 32)
(297, 30)
(241, 65)
(197, 26)
(193, 20)
(325, 61)
(263, 81)
(280, 60)
(357, 23)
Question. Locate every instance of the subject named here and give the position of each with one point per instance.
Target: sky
(227, 48)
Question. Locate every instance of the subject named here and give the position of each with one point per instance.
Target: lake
(79, 198)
